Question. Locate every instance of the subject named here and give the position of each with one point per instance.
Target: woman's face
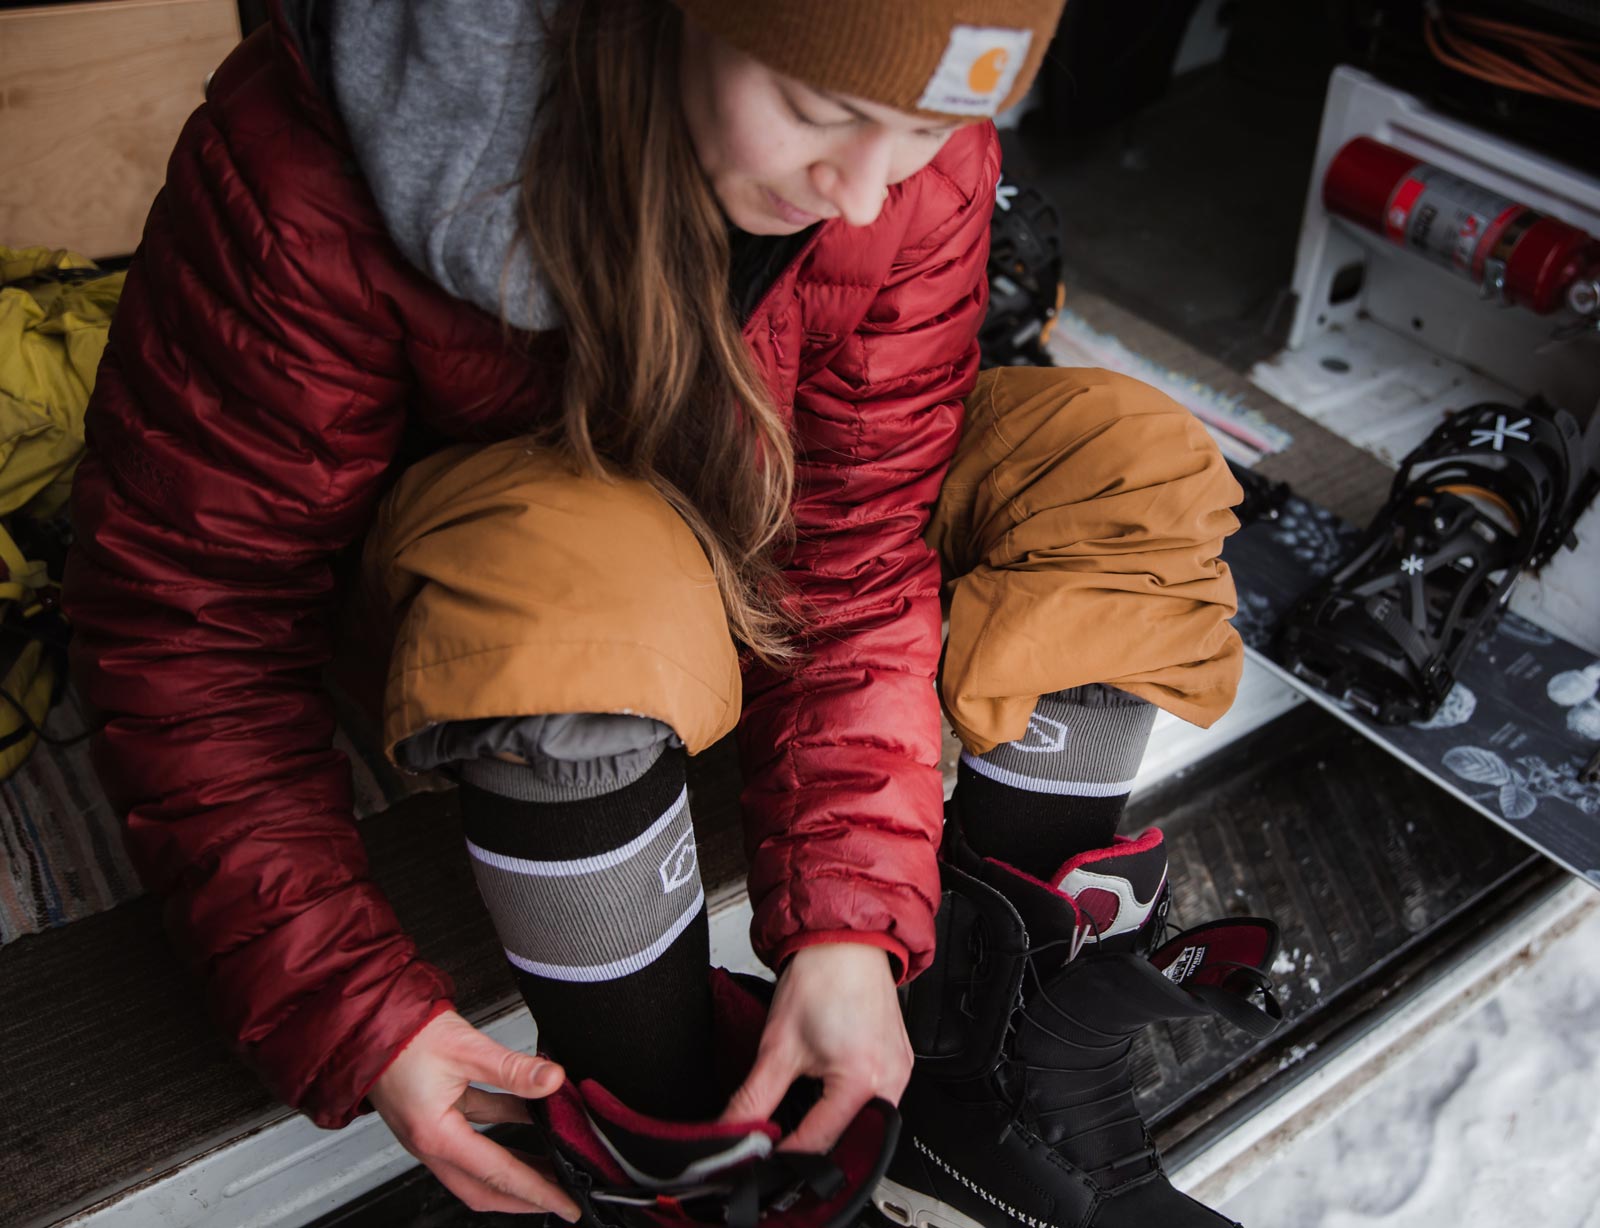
(781, 155)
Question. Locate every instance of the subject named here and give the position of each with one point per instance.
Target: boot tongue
(1120, 891)
(1107, 897)
(666, 1155)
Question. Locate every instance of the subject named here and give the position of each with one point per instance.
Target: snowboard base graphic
(1518, 727)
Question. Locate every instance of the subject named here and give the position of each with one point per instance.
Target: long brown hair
(627, 234)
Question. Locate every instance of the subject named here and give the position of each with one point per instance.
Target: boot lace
(1110, 1048)
(1113, 1047)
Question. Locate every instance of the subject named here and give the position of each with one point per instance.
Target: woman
(693, 288)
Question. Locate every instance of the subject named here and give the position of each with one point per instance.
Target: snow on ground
(1495, 1120)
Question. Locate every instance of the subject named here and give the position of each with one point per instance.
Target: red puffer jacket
(270, 349)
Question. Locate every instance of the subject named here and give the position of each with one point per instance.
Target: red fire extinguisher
(1511, 251)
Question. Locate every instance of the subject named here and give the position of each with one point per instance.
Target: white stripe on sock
(618, 968)
(1073, 788)
(582, 865)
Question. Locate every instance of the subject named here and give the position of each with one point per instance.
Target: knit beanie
(944, 59)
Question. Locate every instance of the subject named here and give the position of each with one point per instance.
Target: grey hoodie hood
(438, 97)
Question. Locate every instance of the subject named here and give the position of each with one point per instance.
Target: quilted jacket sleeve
(248, 405)
(843, 794)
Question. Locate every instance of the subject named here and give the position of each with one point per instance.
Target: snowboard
(1518, 729)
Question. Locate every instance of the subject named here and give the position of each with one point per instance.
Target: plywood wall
(92, 98)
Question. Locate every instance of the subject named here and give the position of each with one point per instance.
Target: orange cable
(1490, 26)
(1574, 71)
(1560, 68)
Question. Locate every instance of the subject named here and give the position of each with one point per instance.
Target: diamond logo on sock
(1044, 736)
(681, 863)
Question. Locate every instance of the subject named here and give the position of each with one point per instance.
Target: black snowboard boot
(626, 1170)
(1020, 1109)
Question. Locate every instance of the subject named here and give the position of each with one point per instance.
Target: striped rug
(61, 855)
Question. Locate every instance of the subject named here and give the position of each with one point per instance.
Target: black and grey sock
(597, 900)
(1059, 790)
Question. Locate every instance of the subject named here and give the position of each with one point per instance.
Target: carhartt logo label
(979, 67)
(680, 865)
(985, 74)
(1186, 965)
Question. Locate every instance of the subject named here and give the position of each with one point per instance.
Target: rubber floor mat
(1362, 863)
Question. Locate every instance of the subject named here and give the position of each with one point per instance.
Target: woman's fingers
(763, 1088)
(483, 1108)
(523, 1074)
(829, 1117)
(477, 1195)
(483, 1162)
(426, 1097)
(484, 1194)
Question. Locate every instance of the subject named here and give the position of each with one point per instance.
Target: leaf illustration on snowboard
(1515, 801)
(1481, 767)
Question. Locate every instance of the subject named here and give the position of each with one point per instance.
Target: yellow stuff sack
(55, 312)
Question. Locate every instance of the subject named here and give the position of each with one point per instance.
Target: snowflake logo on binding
(1411, 565)
(1496, 436)
(680, 865)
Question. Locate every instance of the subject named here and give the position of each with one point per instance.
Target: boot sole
(914, 1209)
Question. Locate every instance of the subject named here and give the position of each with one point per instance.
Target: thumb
(523, 1074)
(763, 1088)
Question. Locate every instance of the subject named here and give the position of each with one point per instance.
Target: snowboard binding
(1263, 498)
(1025, 286)
(1490, 492)
(626, 1170)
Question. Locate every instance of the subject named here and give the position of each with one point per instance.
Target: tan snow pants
(1079, 532)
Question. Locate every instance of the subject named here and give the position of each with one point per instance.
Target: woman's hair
(626, 232)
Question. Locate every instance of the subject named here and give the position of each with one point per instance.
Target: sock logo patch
(1044, 736)
(679, 868)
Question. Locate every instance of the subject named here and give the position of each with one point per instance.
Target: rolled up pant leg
(512, 587)
(1079, 530)
(558, 642)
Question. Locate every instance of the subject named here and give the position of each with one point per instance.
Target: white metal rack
(1383, 343)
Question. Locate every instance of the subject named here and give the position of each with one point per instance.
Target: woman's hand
(834, 1017)
(425, 1099)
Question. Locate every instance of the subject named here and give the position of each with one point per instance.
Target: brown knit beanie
(946, 59)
